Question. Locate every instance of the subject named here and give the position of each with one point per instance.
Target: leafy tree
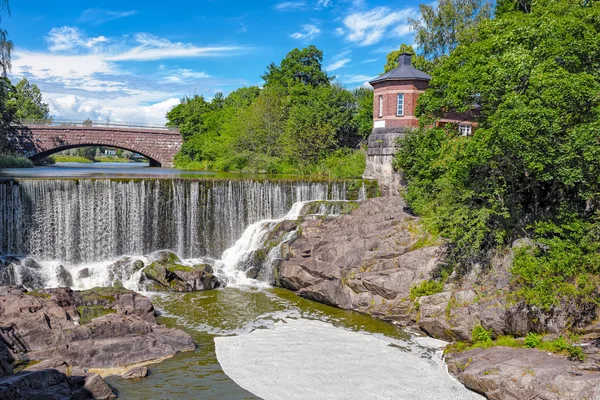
(6, 46)
(363, 117)
(504, 6)
(443, 26)
(531, 80)
(298, 67)
(7, 112)
(29, 102)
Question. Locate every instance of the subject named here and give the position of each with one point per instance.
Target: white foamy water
(306, 359)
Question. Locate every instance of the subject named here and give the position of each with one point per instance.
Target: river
(86, 224)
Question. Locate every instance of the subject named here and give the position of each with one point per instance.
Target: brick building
(395, 98)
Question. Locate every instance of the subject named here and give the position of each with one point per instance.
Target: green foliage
(481, 335)
(447, 23)
(12, 161)
(426, 288)
(532, 340)
(531, 81)
(28, 101)
(298, 67)
(299, 123)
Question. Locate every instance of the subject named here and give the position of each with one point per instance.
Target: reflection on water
(230, 311)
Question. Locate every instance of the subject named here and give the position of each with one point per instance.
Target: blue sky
(134, 60)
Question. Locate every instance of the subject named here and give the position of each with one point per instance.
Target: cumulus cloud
(309, 32)
(88, 77)
(356, 78)
(369, 27)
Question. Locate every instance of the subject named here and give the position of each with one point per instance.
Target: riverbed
(254, 341)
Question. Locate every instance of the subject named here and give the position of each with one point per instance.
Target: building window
(380, 106)
(465, 129)
(400, 110)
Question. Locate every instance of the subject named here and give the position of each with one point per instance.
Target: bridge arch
(157, 144)
(40, 156)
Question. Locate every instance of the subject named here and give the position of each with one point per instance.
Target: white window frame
(400, 105)
(465, 129)
(380, 106)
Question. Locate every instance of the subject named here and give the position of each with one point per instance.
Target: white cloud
(339, 31)
(290, 5)
(337, 64)
(88, 77)
(309, 32)
(98, 16)
(356, 78)
(78, 108)
(323, 4)
(183, 75)
(370, 60)
(69, 38)
(369, 27)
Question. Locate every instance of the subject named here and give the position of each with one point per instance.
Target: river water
(84, 225)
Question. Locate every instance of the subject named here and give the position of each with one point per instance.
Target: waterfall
(90, 220)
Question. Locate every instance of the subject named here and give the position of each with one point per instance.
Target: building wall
(390, 90)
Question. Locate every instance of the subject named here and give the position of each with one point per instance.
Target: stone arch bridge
(39, 139)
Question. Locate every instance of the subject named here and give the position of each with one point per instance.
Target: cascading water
(87, 233)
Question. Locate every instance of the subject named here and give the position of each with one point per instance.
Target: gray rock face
(505, 373)
(121, 331)
(364, 261)
(51, 384)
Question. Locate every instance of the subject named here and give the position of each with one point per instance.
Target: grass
(88, 313)
(113, 159)
(12, 161)
(70, 159)
(482, 339)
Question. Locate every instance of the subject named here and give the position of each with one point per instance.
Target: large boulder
(523, 374)
(168, 273)
(99, 328)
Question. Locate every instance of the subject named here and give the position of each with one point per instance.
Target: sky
(132, 61)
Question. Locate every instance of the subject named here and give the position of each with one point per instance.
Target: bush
(532, 340)
(426, 288)
(481, 335)
(12, 161)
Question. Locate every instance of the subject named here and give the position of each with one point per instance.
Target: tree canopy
(299, 123)
(531, 78)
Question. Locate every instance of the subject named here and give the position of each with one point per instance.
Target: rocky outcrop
(365, 261)
(369, 260)
(103, 329)
(168, 273)
(505, 373)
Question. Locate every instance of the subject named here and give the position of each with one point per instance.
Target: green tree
(504, 6)
(6, 46)
(443, 26)
(298, 67)
(363, 118)
(7, 112)
(531, 81)
(29, 101)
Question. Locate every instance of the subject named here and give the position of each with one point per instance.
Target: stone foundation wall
(381, 150)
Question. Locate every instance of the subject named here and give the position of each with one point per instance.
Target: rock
(167, 274)
(522, 374)
(45, 326)
(204, 267)
(84, 273)
(365, 261)
(136, 373)
(52, 384)
(64, 277)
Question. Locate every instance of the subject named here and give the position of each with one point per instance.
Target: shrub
(532, 340)
(481, 335)
(426, 288)
(11, 161)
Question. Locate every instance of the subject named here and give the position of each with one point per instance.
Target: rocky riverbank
(62, 341)
(376, 260)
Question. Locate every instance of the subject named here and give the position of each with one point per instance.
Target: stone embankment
(369, 260)
(66, 340)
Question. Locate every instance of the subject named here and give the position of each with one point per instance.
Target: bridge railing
(99, 124)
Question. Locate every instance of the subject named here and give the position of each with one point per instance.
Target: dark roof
(405, 71)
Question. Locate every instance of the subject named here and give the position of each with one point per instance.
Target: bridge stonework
(160, 146)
